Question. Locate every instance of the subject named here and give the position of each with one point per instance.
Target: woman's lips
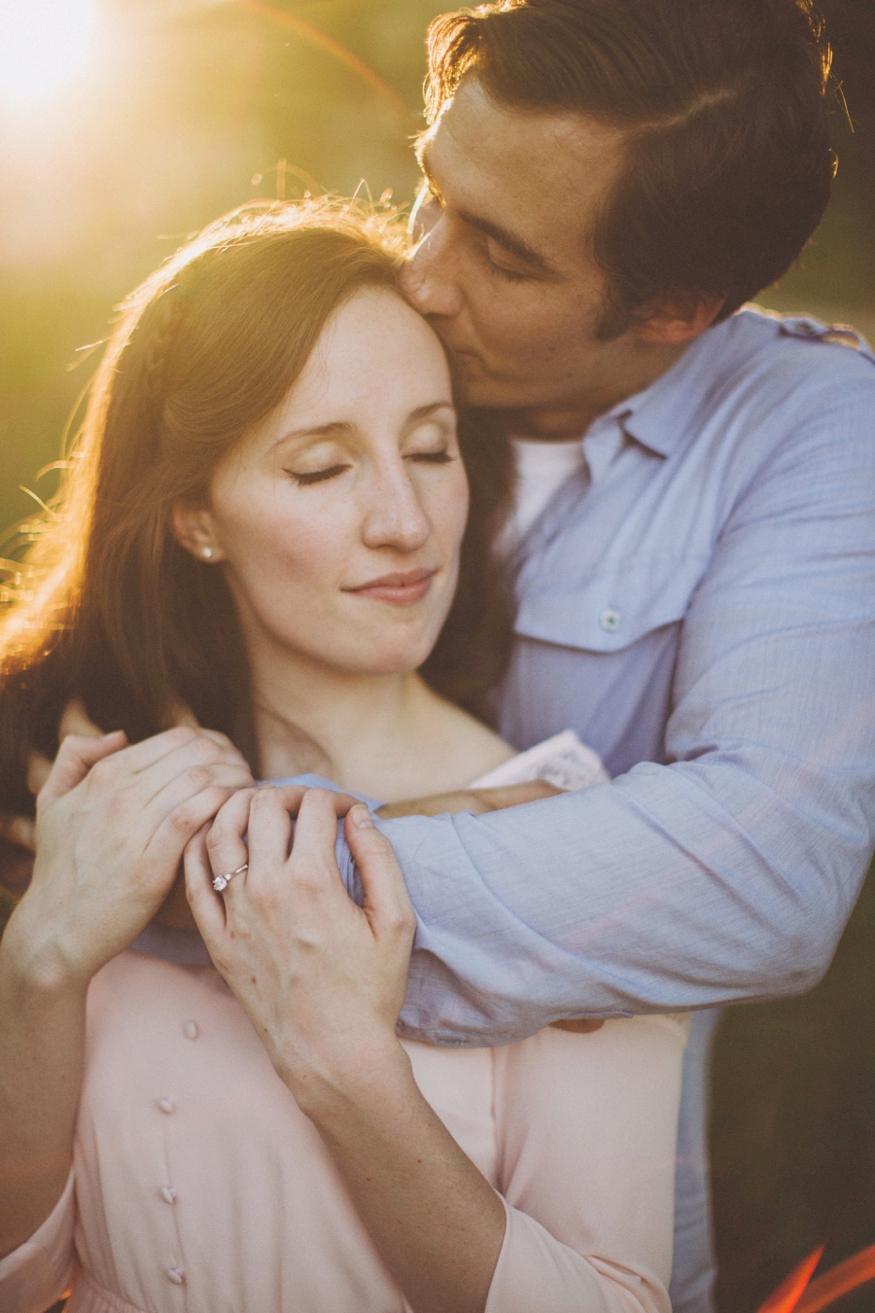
(400, 588)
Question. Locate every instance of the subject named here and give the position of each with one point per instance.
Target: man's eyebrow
(508, 241)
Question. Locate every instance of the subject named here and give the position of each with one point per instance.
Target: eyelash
(318, 476)
(322, 476)
(510, 275)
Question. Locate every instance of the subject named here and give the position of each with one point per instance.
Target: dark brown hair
(112, 610)
(727, 159)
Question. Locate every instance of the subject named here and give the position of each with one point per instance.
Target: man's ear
(192, 527)
(676, 318)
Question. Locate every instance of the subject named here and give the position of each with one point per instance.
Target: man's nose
(396, 517)
(429, 280)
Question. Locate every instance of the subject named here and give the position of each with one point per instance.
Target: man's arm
(729, 873)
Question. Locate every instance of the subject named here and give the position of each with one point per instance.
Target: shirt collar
(659, 415)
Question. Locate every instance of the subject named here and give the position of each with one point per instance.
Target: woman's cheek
(453, 512)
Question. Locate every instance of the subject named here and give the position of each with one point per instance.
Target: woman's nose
(428, 279)
(396, 517)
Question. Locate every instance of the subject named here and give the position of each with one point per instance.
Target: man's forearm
(639, 896)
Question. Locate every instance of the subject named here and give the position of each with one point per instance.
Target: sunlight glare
(44, 44)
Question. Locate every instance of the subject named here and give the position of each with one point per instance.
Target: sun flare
(44, 45)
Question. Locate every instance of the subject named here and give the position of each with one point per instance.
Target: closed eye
(317, 476)
(434, 457)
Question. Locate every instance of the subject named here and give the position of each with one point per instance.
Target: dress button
(176, 1275)
(167, 1105)
(168, 1194)
(191, 1030)
(610, 619)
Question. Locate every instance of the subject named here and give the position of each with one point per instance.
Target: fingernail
(362, 817)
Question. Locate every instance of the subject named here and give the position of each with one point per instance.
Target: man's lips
(401, 587)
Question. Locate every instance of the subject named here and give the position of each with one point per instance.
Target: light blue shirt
(700, 607)
(701, 611)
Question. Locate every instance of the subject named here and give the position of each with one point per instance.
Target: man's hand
(478, 801)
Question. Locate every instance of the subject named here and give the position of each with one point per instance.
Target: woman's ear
(192, 527)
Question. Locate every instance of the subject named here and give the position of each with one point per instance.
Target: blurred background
(127, 124)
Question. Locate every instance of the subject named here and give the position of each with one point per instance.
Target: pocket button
(610, 619)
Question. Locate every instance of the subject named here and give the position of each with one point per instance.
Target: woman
(269, 518)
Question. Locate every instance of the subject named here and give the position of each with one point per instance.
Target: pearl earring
(207, 553)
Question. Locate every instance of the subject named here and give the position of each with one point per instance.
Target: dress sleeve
(38, 1272)
(587, 1128)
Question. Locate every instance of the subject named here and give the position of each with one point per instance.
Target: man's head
(609, 178)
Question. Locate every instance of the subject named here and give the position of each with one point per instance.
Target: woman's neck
(345, 726)
(389, 736)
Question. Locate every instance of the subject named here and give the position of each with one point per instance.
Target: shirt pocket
(614, 606)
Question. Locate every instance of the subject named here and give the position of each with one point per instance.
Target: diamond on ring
(221, 882)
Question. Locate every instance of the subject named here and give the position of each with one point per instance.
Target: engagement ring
(221, 882)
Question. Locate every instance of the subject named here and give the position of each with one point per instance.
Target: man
(607, 183)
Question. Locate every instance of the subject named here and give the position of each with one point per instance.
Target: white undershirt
(542, 468)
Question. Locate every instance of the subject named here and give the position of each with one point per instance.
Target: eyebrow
(508, 241)
(342, 428)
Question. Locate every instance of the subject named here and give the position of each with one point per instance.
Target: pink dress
(198, 1185)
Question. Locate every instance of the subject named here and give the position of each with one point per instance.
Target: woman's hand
(321, 979)
(112, 823)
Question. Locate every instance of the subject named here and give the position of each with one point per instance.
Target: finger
(177, 755)
(76, 720)
(39, 768)
(207, 910)
(147, 753)
(516, 795)
(386, 902)
(75, 758)
(182, 714)
(167, 841)
(172, 801)
(293, 795)
(18, 830)
(316, 830)
(582, 1026)
(226, 849)
(270, 831)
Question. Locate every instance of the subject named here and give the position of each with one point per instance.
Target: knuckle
(402, 923)
(217, 837)
(102, 771)
(117, 807)
(201, 776)
(181, 820)
(214, 797)
(204, 749)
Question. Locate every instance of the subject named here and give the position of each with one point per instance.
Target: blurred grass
(793, 1127)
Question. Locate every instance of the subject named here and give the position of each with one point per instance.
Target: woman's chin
(396, 660)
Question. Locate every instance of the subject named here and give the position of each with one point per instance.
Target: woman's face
(338, 520)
